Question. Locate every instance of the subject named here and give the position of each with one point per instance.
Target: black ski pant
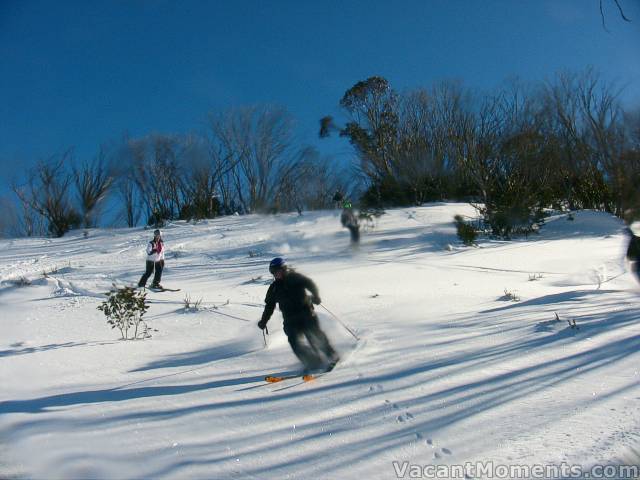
(317, 352)
(151, 266)
(355, 233)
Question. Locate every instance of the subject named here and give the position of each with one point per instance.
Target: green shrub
(506, 220)
(124, 309)
(466, 232)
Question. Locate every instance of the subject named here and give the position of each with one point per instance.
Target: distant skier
(289, 290)
(155, 261)
(337, 198)
(349, 220)
(633, 251)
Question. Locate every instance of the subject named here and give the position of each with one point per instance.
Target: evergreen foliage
(567, 144)
(124, 309)
(466, 232)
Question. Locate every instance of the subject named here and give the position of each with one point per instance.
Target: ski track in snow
(448, 368)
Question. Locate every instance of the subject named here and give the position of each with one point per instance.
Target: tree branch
(624, 17)
(621, 11)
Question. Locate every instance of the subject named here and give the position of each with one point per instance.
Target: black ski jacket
(348, 218)
(291, 295)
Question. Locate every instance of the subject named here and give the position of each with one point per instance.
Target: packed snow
(514, 352)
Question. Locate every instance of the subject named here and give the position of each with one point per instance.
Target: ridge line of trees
(248, 161)
(566, 143)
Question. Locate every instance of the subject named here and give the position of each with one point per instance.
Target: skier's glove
(316, 300)
(262, 324)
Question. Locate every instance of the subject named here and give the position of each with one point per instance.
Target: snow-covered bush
(124, 309)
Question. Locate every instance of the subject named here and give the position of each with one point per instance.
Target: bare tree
(199, 185)
(93, 181)
(418, 159)
(602, 115)
(157, 173)
(127, 190)
(229, 148)
(122, 168)
(311, 183)
(425, 160)
(47, 193)
(29, 222)
(256, 143)
(504, 152)
(584, 116)
(9, 220)
(631, 167)
(208, 165)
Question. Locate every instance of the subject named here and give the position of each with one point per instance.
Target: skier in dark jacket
(289, 290)
(633, 251)
(155, 261)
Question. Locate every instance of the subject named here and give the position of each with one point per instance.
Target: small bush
(191, 305)
(467, 233)
(158, 218)
(52, 271)
(124, 309)
(513, 296)
(64, 221)
(506, 221)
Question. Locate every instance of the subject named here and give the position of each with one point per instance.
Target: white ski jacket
(155, 251)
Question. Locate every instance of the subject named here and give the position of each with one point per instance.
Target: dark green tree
(372, 128)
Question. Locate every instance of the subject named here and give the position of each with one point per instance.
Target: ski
(304, 379)
(307, 377)
(164, 289)
(277, 379)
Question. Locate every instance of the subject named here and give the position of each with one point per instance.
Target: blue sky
(80, 73)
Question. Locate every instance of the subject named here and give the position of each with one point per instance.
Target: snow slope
(447, 369)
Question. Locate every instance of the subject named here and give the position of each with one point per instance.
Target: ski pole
(341, 322)
(265, 332)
